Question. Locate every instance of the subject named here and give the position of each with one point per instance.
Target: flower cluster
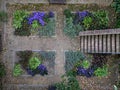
(41, 69)
(37, 16)
(82, 15)
(51, 14)
(85, 72)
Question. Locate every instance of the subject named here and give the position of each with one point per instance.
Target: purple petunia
(37, 16)
(82, 15)
(42, 69)
(85, 72)
(31, 72)
(51, 14)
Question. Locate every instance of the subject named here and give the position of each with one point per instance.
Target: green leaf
(34, 62)
(17, 70)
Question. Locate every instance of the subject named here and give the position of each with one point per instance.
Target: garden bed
(86, 65)
(28, 61)
(34, 23)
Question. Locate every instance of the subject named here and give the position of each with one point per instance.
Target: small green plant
(101, 19)
(17, 70)
(87, 22)
(101, 72)
(85, 64)
(3, 16)
(34, 62)
(35, 24)
(2, 70)
(67, 13)
(18, 17)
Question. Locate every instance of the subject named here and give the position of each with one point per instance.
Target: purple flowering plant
(41, 69)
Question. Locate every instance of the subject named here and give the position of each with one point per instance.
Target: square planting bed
(34, 23)
(80, 64)
(89, 19)
(27, 61)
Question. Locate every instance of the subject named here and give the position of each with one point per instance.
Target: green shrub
(34, 62)
(68, 13)
(2, 70)
(18, 17)
(48, 29)
(116, 5)
(23, 30)
(100, 19)
(17, 70)
(100, 72)
(71, 58)
(68, 83)
(3, 16)
(85, 64)
(87, 22)
(69, 29)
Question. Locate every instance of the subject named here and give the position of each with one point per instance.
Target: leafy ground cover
(34, 63)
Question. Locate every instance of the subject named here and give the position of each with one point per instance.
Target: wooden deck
(100, 41)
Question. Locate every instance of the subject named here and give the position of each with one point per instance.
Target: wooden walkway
(100, 41)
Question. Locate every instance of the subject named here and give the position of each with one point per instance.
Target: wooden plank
(89, 43)
(109, 44)
(85, 50)
(96, 44)
(104, 43)
(100, 43)
(113, 43)
(92, 46)
(100, 32)
(81, 44)
(117, 43)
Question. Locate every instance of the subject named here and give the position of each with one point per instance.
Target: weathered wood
(101, 43)
(100, 32)
(117, 43)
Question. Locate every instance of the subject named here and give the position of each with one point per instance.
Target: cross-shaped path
(60, 43)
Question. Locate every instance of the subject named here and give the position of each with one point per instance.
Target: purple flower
(37, 16)
(51, 14)
(42, 69)
(81, 71)
(85, 72)
(89, 72)
(31, 72)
